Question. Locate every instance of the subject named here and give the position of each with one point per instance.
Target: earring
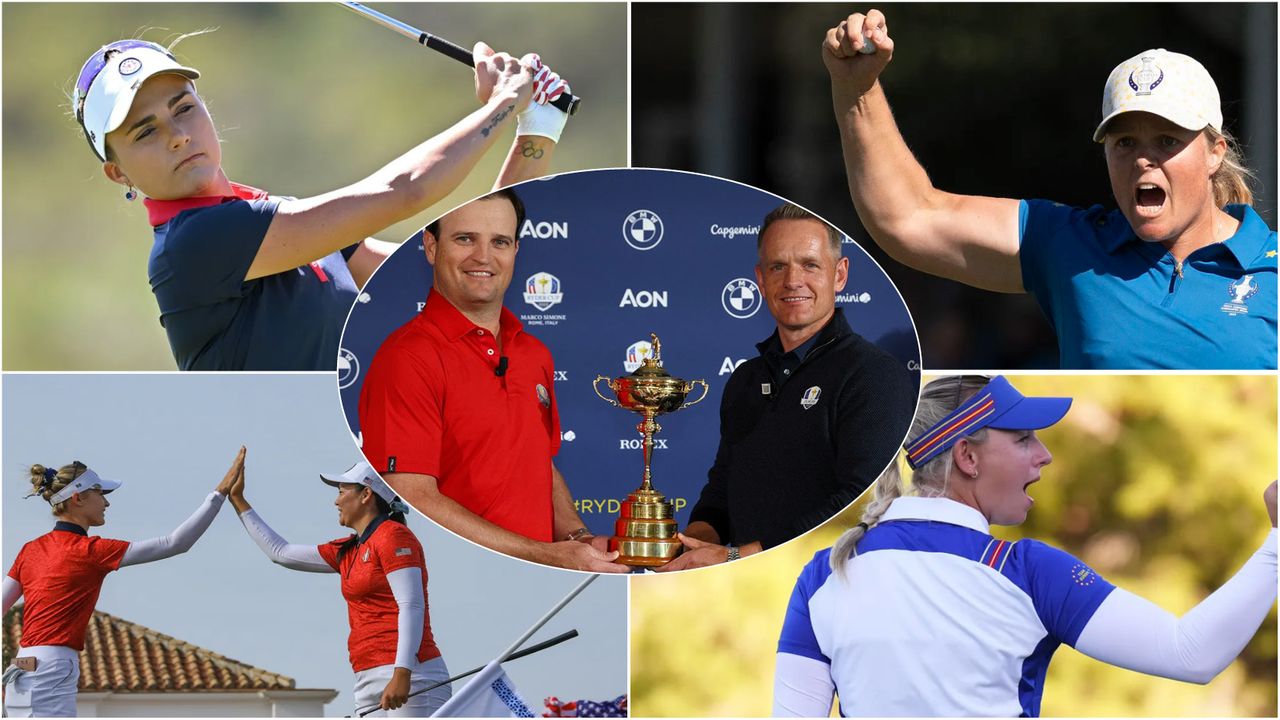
(131, 194)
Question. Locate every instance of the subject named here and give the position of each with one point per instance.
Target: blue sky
(170, 438)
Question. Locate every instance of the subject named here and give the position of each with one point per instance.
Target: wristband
(733, 554)
(546, 121)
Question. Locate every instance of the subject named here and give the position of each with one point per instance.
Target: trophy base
(645, 534)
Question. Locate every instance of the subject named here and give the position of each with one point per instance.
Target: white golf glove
(541, 117)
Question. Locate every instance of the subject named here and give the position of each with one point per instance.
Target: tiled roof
(121, 656)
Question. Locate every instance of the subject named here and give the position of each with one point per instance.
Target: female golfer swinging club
(247, 280)
(60, 574)
(918, 610)
(384, 580)
(1182, 274)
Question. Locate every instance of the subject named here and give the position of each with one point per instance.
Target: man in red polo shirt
(458, 412)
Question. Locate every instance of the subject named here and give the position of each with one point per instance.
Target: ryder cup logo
(542, 290)
(1146, 78)
(636, 355)
(810, 397)
(129, 66)
(348, 368)
(741, 298)
(1241, 290)
(642, 230)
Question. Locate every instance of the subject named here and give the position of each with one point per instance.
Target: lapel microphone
(502, 367)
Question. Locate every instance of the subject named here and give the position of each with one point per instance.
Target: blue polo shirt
(1118, 302)
(215, 319)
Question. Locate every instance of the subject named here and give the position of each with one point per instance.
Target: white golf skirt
(370, 684)
(49, 690)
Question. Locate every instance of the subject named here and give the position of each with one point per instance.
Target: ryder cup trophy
(645, 534)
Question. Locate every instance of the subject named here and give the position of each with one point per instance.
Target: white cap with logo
(86, 480)
(362, 474)
(1174, 86)
(110, 95)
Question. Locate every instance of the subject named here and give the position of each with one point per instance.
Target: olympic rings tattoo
(529, 150)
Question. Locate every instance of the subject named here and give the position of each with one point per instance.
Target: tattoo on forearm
(530, 149)
(496, 120)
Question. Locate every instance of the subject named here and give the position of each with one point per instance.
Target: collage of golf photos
(639, 359)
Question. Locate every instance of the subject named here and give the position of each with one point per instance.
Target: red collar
(455, 325)
(160, 212)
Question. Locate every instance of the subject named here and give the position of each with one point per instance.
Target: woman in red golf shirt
(384, 581)
(60, 574)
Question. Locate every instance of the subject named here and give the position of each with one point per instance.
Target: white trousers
(49, 690)
(370, 684)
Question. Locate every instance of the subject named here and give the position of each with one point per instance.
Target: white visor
(362, 474)
(86, 481)
(111, 94)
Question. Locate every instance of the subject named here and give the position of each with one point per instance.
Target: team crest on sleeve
(1146, 78)
(1083, 575)
(810, 397)
(1240, 291)
(544, 397)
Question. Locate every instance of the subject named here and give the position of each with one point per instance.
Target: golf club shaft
(566, 102)
(516, 655)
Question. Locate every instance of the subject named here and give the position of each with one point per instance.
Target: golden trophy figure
(645, 533)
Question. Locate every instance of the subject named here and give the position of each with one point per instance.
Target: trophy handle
(703, 383)
(595, 385)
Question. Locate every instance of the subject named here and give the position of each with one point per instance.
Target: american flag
(615, 708)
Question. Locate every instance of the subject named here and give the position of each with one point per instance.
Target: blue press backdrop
(605, 258)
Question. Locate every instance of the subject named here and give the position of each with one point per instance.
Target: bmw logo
(129, 66)
(642, 230)
(741, 298)
(348, 368)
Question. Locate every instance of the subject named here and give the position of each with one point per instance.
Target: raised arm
(970, 239)
(1133, 633)
(310, 228)
(423, 492)
(186, 534)
(281, 552)
(538, 128)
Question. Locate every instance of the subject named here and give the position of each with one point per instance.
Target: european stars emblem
(1271, 253)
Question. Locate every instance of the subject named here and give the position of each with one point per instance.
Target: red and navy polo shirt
(61, 574)
(371, 607)
(217, 320)
(433, 405)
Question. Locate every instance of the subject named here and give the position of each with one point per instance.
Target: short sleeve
(401, 411)
(398, 548)
(15, 570)
(207, 252)
(1065, 591)
(329, 552)
(106, 552)
(798, 636)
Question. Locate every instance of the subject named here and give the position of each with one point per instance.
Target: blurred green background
(307, 97)
(1156, 482)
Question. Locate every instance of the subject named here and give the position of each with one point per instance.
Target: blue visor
(998, 405)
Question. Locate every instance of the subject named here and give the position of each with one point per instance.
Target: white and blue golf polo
(935, 617)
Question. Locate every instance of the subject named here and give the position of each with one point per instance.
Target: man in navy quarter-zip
(810, 423)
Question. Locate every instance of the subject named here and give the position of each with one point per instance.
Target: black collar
(373, 525)
(70, 527)
(836, 327)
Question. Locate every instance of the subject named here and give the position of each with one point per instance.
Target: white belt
(49, 653)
